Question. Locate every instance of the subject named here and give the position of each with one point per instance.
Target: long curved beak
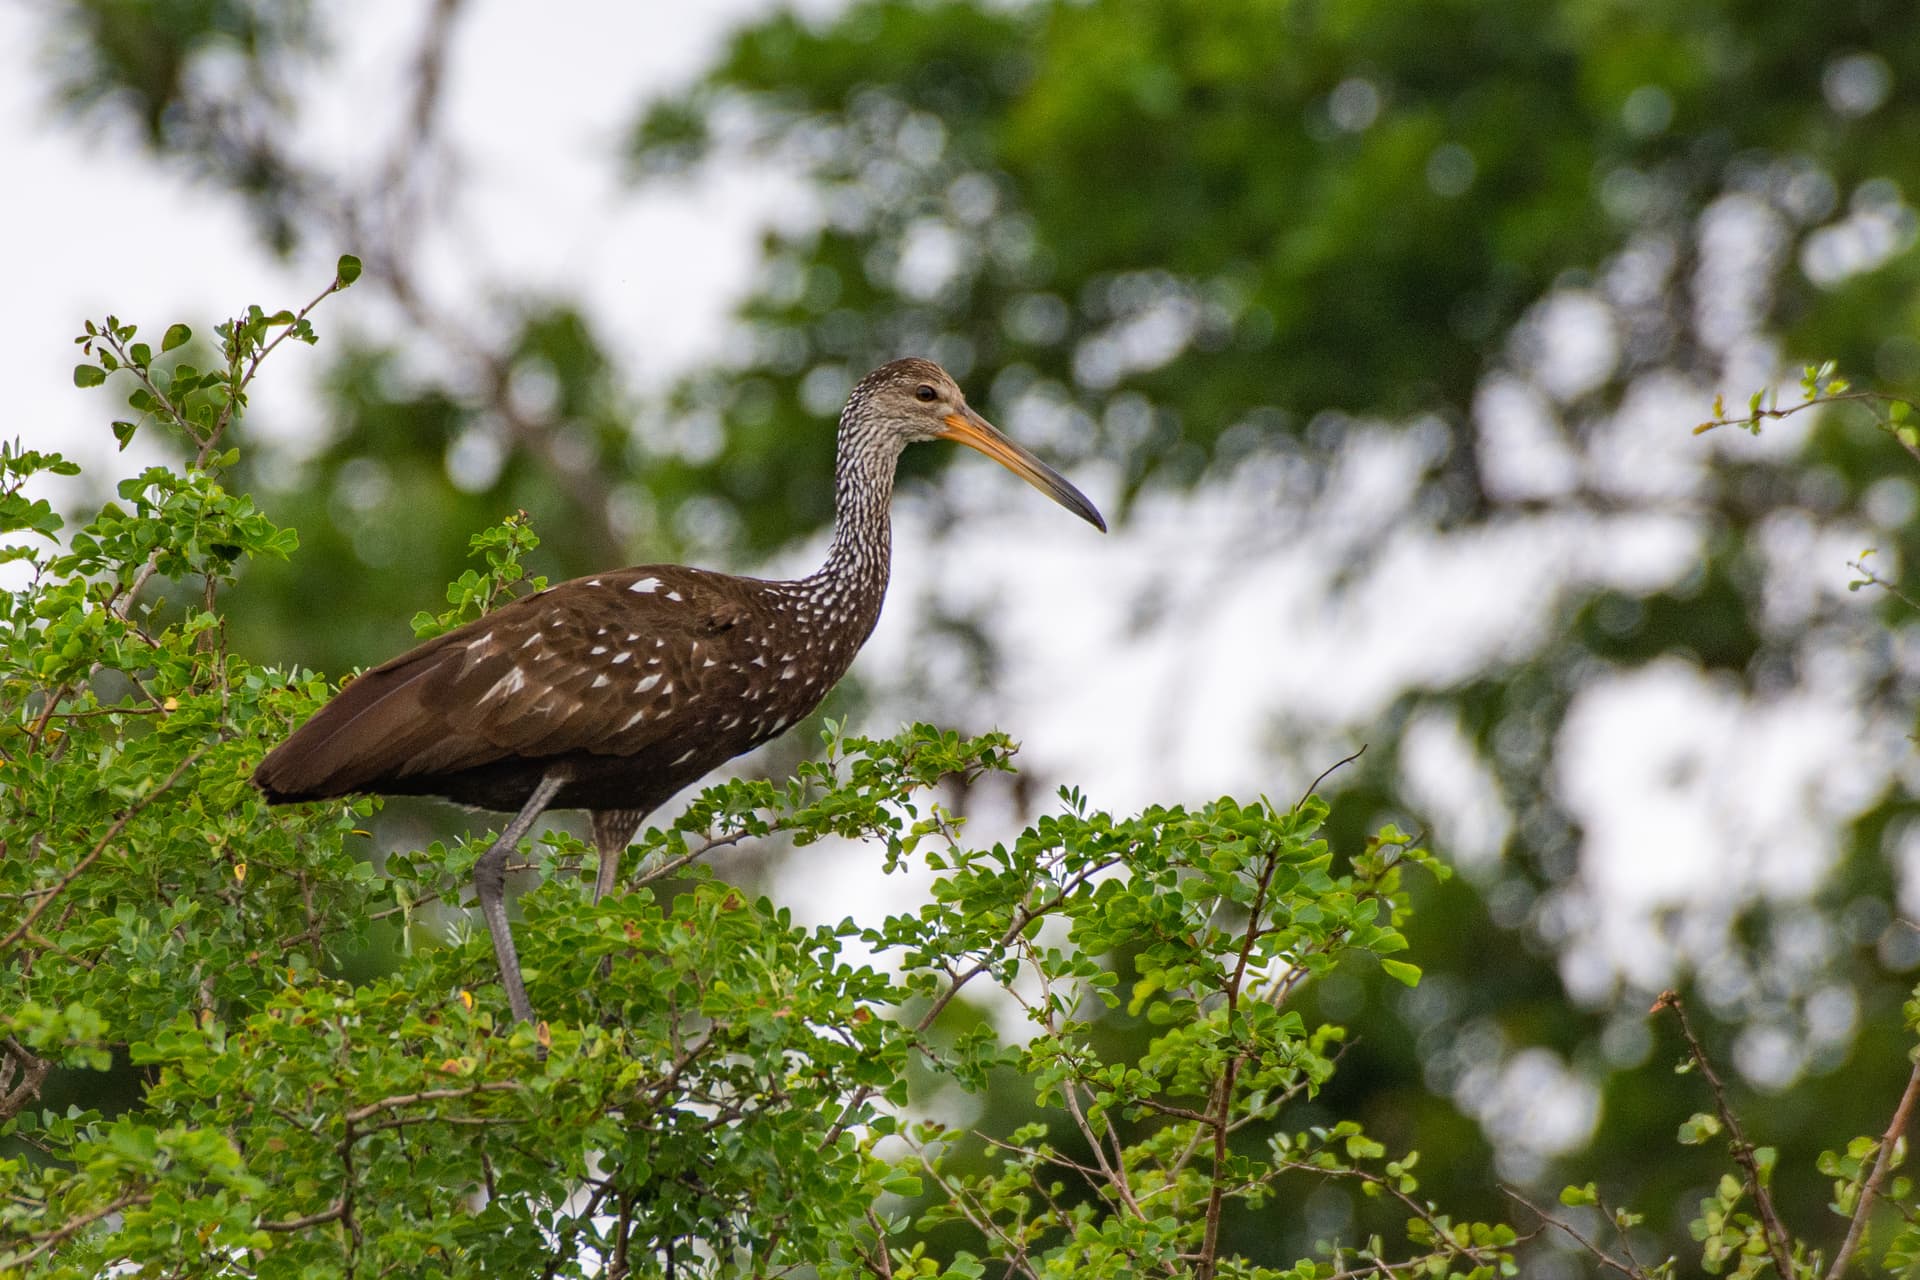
(974, 431)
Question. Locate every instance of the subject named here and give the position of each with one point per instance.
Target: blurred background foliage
(1226, 252)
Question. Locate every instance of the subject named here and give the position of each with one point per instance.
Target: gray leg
(490, 882)
(613, 831)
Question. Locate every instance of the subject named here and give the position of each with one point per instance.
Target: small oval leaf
(176, 336)
(347, 271)
(88, 375)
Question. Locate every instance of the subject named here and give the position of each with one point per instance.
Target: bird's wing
(611, 670)
(598, 664)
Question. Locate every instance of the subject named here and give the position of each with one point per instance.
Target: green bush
(733, 1094)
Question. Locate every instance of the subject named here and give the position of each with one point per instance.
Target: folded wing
(593, 665)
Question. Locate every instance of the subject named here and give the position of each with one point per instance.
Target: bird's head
(918, 400)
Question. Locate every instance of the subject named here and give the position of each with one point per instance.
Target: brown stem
(1869, 575)
(1882, 1161)
(71, 1227)
(1771, 1227)
(1748, 419)
(332, 1213)
(1600, 1255)
(358, 1114)
(30, 1069)
(119, 824)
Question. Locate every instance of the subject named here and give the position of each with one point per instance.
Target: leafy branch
(1821, 386)
(1756, 1163)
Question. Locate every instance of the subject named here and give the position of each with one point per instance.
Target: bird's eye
(926, 394)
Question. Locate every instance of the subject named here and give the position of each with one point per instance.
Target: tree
(1265, 245)
(730, 1093)
(721, 1091)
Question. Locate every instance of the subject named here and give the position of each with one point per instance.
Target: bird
(614, 691)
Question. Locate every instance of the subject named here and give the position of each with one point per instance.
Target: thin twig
(1882, 1162)
(30, 1069)
(1752, 419)
(358, 1114)
(71, 1227)
(1600, 1255)
(79, 868)
(1770, 1225)
(1859, 567)
(1329, 771)
(332, 1213)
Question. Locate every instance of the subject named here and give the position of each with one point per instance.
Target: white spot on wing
(600, 681)
(647, 684)
(645, 586)
(506, 686)
(675, 596)
(619, 658)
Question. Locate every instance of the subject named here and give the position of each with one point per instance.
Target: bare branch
(1600, 1255)
(332, 1213)
(1329, 771)
(358, 1114)
(25, 1066)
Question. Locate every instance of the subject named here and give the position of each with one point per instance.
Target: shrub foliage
(720, 1088)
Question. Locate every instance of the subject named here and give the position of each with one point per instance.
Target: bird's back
(632, 683)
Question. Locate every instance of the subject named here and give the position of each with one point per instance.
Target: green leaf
(1402, 972)
(1588, 1194)
(347, 270)
(88, 375)
(178, 335)
(1699, 1128)
(902, 1184)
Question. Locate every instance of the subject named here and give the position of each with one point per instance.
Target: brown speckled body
(630, 693)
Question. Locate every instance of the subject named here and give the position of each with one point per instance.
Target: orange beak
(974, 431)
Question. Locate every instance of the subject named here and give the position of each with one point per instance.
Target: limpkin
(612, 692)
